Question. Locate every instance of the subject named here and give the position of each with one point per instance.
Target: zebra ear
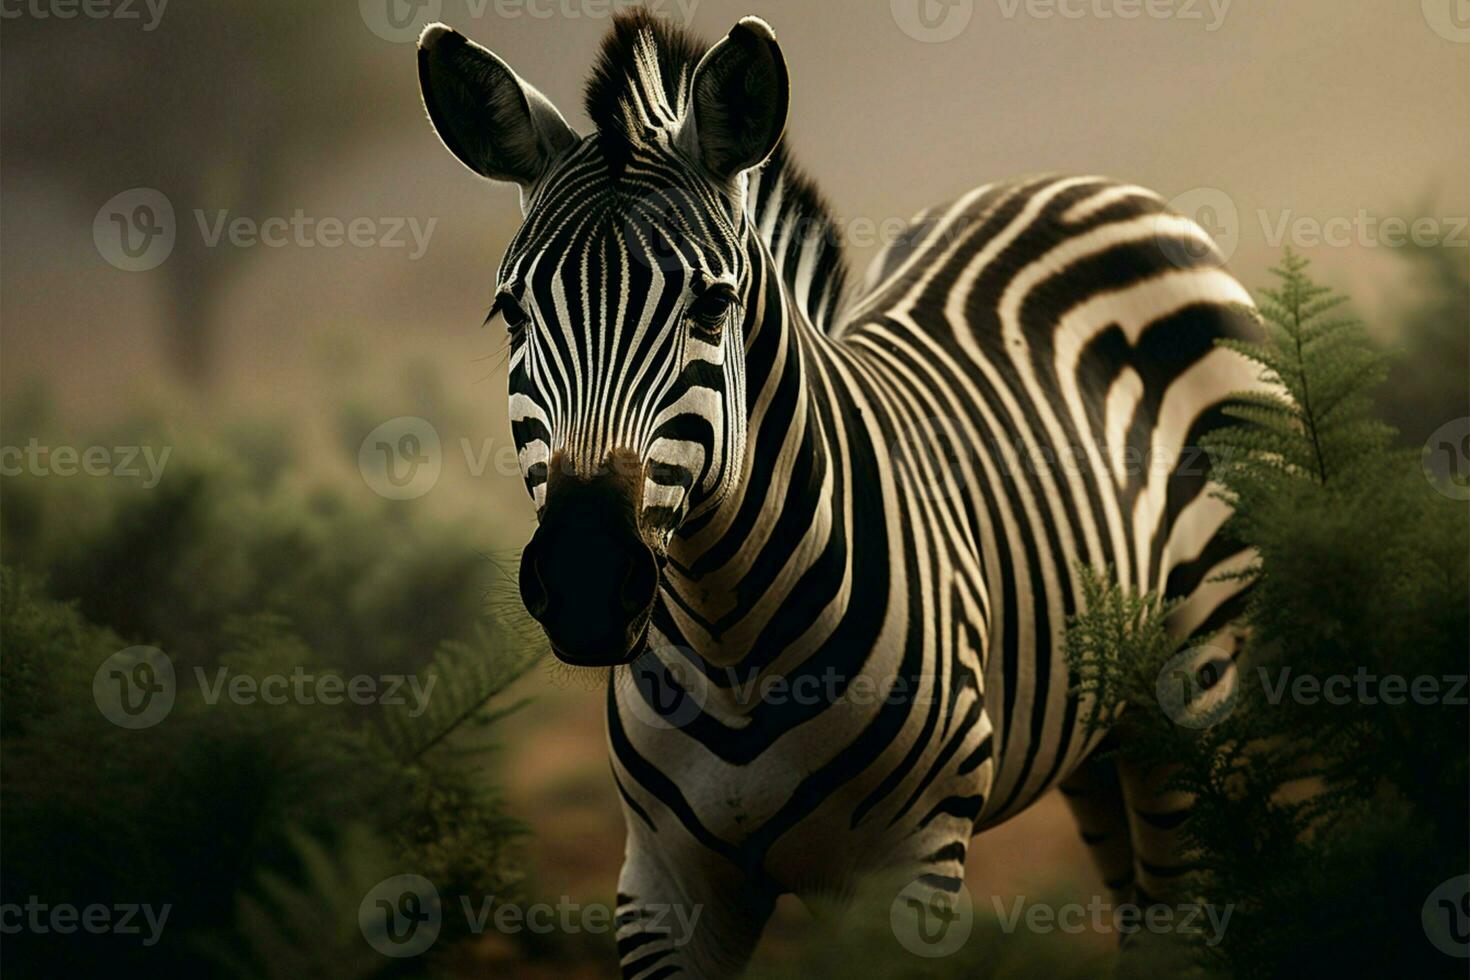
(494, 122)
(739, 94)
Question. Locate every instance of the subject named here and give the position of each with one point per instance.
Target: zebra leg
(1157, 816)
(1165, 871)
(703, 923)
(1094, 793)
(1161, 862)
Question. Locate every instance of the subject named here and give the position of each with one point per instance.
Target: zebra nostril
(640, 582)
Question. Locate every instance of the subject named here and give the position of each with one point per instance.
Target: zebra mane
(637, 94)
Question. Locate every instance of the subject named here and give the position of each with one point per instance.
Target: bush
(261, 827)
(240, 817)
(232, 529)
(1327, 825)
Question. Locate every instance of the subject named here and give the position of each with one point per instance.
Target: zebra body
(866, 507)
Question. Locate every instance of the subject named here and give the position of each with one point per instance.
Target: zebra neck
(801, 235)
(764, 580)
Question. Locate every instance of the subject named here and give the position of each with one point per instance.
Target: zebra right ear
(496, 124)
(739, 93)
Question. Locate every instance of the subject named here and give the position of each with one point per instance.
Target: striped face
(623, 293)
(626, 381)
(623, 304)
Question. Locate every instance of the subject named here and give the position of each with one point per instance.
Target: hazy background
(1314, 109)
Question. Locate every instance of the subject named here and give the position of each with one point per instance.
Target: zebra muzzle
(587, 575)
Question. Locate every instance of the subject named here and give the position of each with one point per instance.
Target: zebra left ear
(739, 94)
(496, 124)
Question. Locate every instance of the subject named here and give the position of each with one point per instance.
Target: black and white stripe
(859, 489)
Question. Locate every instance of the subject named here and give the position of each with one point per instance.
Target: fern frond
(1316, 425)
(305, 924)
(459, 686)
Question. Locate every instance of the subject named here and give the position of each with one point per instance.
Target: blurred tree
(216, 106)
(1429, 383)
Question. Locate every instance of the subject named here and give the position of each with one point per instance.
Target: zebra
(823, 538)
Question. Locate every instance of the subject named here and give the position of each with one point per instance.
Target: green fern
(1318, 424)
(460, 685)
(261, 825)
(1115, 646)
(1361, 565)
(306, 925)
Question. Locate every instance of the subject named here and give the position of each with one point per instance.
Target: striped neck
(751, 582)
(801, 235)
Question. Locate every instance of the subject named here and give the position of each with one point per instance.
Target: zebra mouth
(589, 575)
(600, 658)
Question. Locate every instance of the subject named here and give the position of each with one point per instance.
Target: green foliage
(231, 530)
(459, 832)
(1428, 383)
(34, 688)
(1116, 620)
(463, 680)
(262, 826)
(1326, 822)
(1317, 424)
(305, 924)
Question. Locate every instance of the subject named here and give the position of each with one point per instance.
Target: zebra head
(624, 293)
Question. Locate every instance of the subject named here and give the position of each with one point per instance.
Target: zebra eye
(512, 312)
(710, 308)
